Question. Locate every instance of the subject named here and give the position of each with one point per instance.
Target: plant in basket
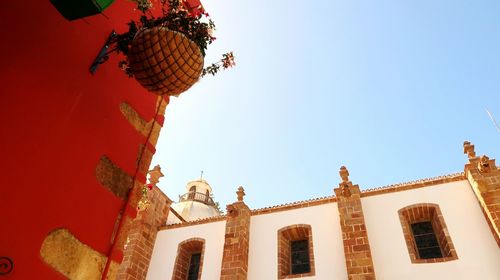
(165, 53)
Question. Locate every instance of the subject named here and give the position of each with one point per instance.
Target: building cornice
(294, 205)
(414, 184)
(421, 183)
(195, 222)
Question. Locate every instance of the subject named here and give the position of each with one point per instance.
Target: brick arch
(184, 251)
(285, 236)
(426, 212)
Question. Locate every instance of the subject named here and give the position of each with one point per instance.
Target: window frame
(426, 212)
(185, 250)
(286, 236)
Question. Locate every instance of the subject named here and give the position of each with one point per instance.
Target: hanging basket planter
(165, 54)
(165, 62)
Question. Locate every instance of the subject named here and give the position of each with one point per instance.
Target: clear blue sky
(390, 89)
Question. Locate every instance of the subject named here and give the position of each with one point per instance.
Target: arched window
(295, 252)
(207, 196)
(192, 192)
(189, 260)
(426, 234)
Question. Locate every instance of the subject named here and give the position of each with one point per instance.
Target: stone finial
(155, 175)
(484, 164)
(344, 174)
(345, 185)
(469, 149)
(231, 210)
(240, 193)
(345, 190)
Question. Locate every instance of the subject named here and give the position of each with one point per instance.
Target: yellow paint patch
(67, 255)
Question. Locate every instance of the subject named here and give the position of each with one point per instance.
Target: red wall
(57, 121)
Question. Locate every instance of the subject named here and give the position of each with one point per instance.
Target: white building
(439, 228)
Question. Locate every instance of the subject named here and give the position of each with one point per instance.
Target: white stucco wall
(478, 253)
(167, 241)
(327, 241)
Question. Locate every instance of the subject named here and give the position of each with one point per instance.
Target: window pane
(300, 245)
(301, 268)
(426, 241)
(194, 266)
(430, 253)
(422, 228)
(300, 257)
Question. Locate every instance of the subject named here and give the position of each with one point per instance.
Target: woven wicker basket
(165, 61)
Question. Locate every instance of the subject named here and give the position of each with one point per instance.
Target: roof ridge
(424, 180)
(287, 204)
(330, 198)
(197, 221)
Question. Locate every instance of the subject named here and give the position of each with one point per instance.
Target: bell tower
(197, 202)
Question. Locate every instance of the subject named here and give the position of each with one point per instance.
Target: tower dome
(197, 202)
